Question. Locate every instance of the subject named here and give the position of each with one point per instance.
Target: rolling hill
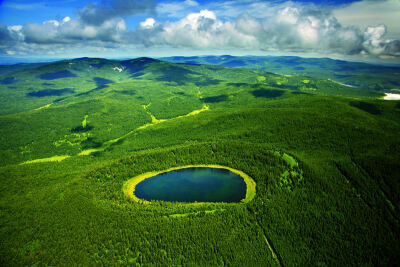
(73, 131)
(355, 74)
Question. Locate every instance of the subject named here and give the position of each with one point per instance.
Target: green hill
(355, 74)
(324, 157)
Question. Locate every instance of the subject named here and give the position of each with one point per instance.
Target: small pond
(201, 184)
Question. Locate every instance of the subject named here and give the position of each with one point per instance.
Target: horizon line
(33, 60)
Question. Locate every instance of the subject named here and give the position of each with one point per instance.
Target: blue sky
(367, 30)
(16, 12)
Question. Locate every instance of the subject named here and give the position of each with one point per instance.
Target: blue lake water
(193, 184)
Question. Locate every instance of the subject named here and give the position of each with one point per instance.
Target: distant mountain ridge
(28, 86)
(365, 75)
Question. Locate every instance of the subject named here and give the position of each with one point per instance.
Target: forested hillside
(324, 156)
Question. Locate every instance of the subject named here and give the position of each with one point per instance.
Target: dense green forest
(324, 156)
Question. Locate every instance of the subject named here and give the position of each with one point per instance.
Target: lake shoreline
(130, 185)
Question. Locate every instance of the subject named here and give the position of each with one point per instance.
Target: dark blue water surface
(193, 184)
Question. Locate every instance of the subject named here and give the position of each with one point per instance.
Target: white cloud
(292, 28)
(288, 15)
(148, 23)
(66, 19)
(373, 39)
(15, 27)
(368, 13)
(308, 33)
(68, 30)
(204, 30)
(285, 27)
(248, 25)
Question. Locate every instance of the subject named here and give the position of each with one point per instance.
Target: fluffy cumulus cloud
(287, 27)
(308, 28)
(101, 22)
(204, 30)
(294, 28)
(371, 12)
(67, 31)
(95, 25)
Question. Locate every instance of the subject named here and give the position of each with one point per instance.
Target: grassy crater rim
(129, 186)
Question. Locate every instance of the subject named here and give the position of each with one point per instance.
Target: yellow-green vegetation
(129, 186)
(290, 160)
(292, 176)
(43, 107)
(87, 152)
(261, 78)
(195, 213)
(73, 139)
(306, 81)
(26, 149)
(309, 89)
(84, 122)
(195, 112)
(154, 120)
(51, 159)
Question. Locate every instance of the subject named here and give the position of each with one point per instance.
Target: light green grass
(84, 122)
(51, 159)
(290, 160)
(195, 213)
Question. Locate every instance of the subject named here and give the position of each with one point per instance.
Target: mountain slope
(71, 80)
(356, 74)
(66, 153)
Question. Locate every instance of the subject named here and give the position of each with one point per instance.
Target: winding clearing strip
(112, 141)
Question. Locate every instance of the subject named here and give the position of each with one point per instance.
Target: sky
(366, 30)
